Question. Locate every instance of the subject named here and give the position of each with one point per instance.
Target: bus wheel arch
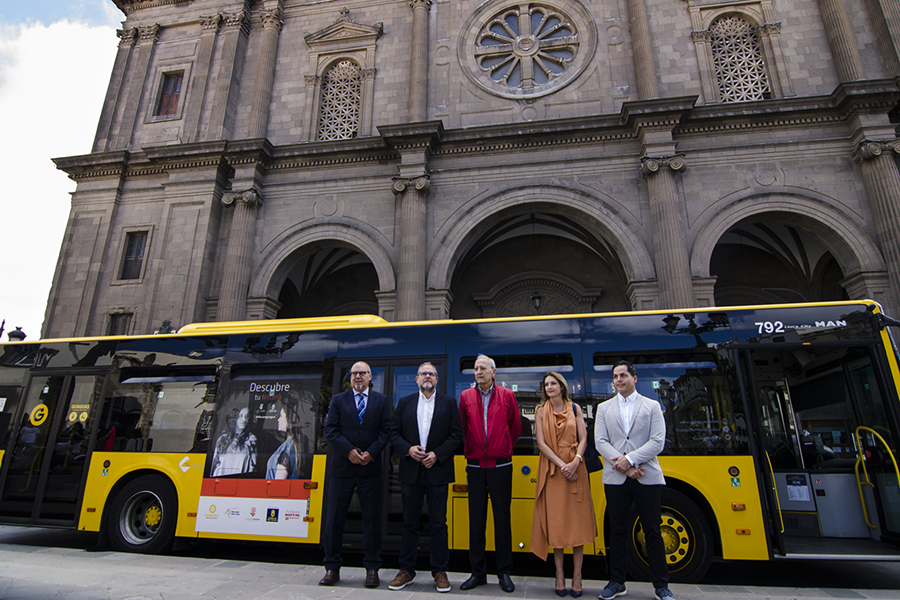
(141, 514)
(687, 536)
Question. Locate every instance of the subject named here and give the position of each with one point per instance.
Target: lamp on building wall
(536, 301)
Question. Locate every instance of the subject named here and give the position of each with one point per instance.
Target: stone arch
(463, 229)
(830, 225)
(274, 267)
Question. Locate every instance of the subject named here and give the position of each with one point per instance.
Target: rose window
(526, 49)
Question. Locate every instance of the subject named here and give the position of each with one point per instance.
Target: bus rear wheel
(142, 516)
(687, 538)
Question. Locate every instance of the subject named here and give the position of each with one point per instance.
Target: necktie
(360, 406)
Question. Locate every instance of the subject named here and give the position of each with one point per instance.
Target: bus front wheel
(687, 538)
(142, 516)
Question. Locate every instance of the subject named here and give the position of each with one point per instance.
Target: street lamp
(16, 335)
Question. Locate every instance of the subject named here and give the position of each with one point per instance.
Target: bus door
(395, 380)
(811, 406)
(45, 473)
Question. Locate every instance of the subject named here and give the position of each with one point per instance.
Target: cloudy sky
(55, 61)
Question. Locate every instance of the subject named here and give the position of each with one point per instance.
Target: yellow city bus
(782, 426)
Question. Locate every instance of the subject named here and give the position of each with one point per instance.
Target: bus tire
(687, 538)
(142, 516)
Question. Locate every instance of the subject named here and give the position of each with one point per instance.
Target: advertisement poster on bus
(259, 456)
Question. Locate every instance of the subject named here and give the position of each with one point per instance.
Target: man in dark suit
(425, 433)
(357, 427)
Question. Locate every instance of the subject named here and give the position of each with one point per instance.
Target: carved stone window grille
(526, 49)
(341, 100)
(738, 58)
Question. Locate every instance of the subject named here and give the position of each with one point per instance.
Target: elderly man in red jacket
(491, 425)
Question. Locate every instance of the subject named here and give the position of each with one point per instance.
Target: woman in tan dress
(563, 510)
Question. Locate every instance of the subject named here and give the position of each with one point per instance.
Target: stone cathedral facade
(425, 159)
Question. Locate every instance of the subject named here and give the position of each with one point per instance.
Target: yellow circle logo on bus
(38, 414)
(73, 416)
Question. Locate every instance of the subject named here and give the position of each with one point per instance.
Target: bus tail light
(90, 509)
(742, 531)
(309, 519)
(310, 485)
(460, 487)
(738, 506)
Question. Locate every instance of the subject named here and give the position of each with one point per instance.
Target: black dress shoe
(472, 583)
(331, 577)
(506, 584)
(372, 580)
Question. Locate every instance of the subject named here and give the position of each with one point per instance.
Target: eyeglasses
(427, 374)
(359, 373)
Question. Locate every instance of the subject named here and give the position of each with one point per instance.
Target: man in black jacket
(425, 434)
(357, 427)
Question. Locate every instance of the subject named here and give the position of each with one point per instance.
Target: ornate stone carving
(271, 19)
(312, 80)
(237, 20)
(770, 28)
(148, 34)
(867, 150)
(127, 37)
(420, 184)
(427, 3)
(652, 165)
(702, 36)
(536, 293)
(249, 198)
(210, 23)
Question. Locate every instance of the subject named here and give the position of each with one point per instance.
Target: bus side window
(158, 414)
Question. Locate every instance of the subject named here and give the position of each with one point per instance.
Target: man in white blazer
(629, 433)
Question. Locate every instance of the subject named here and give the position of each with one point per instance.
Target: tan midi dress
(563, 509)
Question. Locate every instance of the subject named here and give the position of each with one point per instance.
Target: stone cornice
(128, 7)
(657, 112)
(613, 135)
(413, 136)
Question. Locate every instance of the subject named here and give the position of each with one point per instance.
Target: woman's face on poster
(243, 417)
(282, 421)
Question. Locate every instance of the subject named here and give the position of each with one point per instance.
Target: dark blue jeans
(413, 495)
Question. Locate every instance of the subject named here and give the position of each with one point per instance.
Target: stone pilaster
(882, 181)
(265, 73)
(437, 304)
(239, 256)
(885, 18)
(418, 76)
(874, 285)
(673, 271)
(841, 40)
(411, 209)
(127, 40)
(643, 295)
(209, 29)
(143, 53)
(224, 102)
(642, 47)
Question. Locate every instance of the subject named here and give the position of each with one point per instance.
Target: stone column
(644, 63)
(265, 73)
(418, 75)
(411, 209)
(147, 38)
(882, 181)
(673, 271)
(193, 107)
(127, 40)
(239, 256)
(841, 39)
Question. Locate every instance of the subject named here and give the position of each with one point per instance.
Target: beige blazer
(643, 441)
